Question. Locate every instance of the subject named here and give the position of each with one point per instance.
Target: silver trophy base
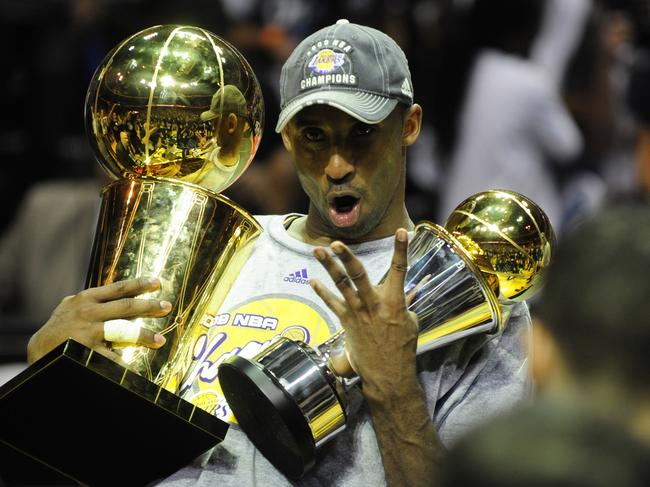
(284, 422)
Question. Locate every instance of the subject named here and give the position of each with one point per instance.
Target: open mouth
(345, 204)
(344, 210)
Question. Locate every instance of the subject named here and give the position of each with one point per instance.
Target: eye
(312, 134)
(363, 130)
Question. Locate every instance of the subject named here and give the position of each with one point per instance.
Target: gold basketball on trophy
(176, 102)
(509, 236)
(175, 115)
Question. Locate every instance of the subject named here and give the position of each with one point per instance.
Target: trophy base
(90, 420)
(268, 415)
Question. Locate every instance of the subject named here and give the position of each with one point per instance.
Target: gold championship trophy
(290, 399)
(174, 115)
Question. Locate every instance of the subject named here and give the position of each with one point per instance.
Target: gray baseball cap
(226, 100)
(354, 68)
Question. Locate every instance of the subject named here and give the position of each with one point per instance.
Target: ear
(286, 140)
(412, 125)
(232, 123)
(545, 356)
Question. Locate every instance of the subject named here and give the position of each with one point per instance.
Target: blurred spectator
(560, 34)
(593, 87)
(590, 423)
(594, 328)
(51, 51)
(638, 100)
(44, 256)
(548, 446)
(607, 94)
(513, 125)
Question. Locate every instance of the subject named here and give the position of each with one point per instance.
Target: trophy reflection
(462, 280)
(175, 116)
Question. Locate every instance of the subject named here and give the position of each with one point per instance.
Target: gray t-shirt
(464, 383)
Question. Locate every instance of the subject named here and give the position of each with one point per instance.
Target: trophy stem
(336, 359)
(188, 237)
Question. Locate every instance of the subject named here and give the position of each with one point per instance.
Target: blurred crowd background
(539, 96)
(550, 98)
(585, 47)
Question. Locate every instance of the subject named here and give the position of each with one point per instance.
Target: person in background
(512, 125)
(44, 256)
(638, 101)
(590, 423)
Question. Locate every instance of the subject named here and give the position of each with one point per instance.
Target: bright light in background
(167, 81)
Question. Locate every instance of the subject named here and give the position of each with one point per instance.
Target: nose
(339, 169)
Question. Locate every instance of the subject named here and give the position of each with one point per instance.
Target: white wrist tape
(121, 331)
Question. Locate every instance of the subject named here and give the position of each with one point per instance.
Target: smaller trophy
(290, 399)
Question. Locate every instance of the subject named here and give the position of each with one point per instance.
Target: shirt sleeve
(479, 378)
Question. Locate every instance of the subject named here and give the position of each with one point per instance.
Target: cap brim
(205, 116)
(366, 107)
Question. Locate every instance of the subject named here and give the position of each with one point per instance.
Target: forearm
(410, 448)
(381, 344)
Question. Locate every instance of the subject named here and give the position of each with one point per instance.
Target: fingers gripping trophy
(461, 280)
(175, 116)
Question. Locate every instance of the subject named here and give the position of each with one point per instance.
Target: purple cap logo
(325, 61)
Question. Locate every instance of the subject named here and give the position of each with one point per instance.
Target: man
(228, 129)
(594, 331)
(347, 119)
(232, 139)
(514, 130)
(590, 425)
(549, 445)
(49, 240)
(124, 150)
(638, 102)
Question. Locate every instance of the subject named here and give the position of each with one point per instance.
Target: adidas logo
(406, 88)
(299, 277)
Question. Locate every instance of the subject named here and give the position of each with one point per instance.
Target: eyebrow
(301, 121)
